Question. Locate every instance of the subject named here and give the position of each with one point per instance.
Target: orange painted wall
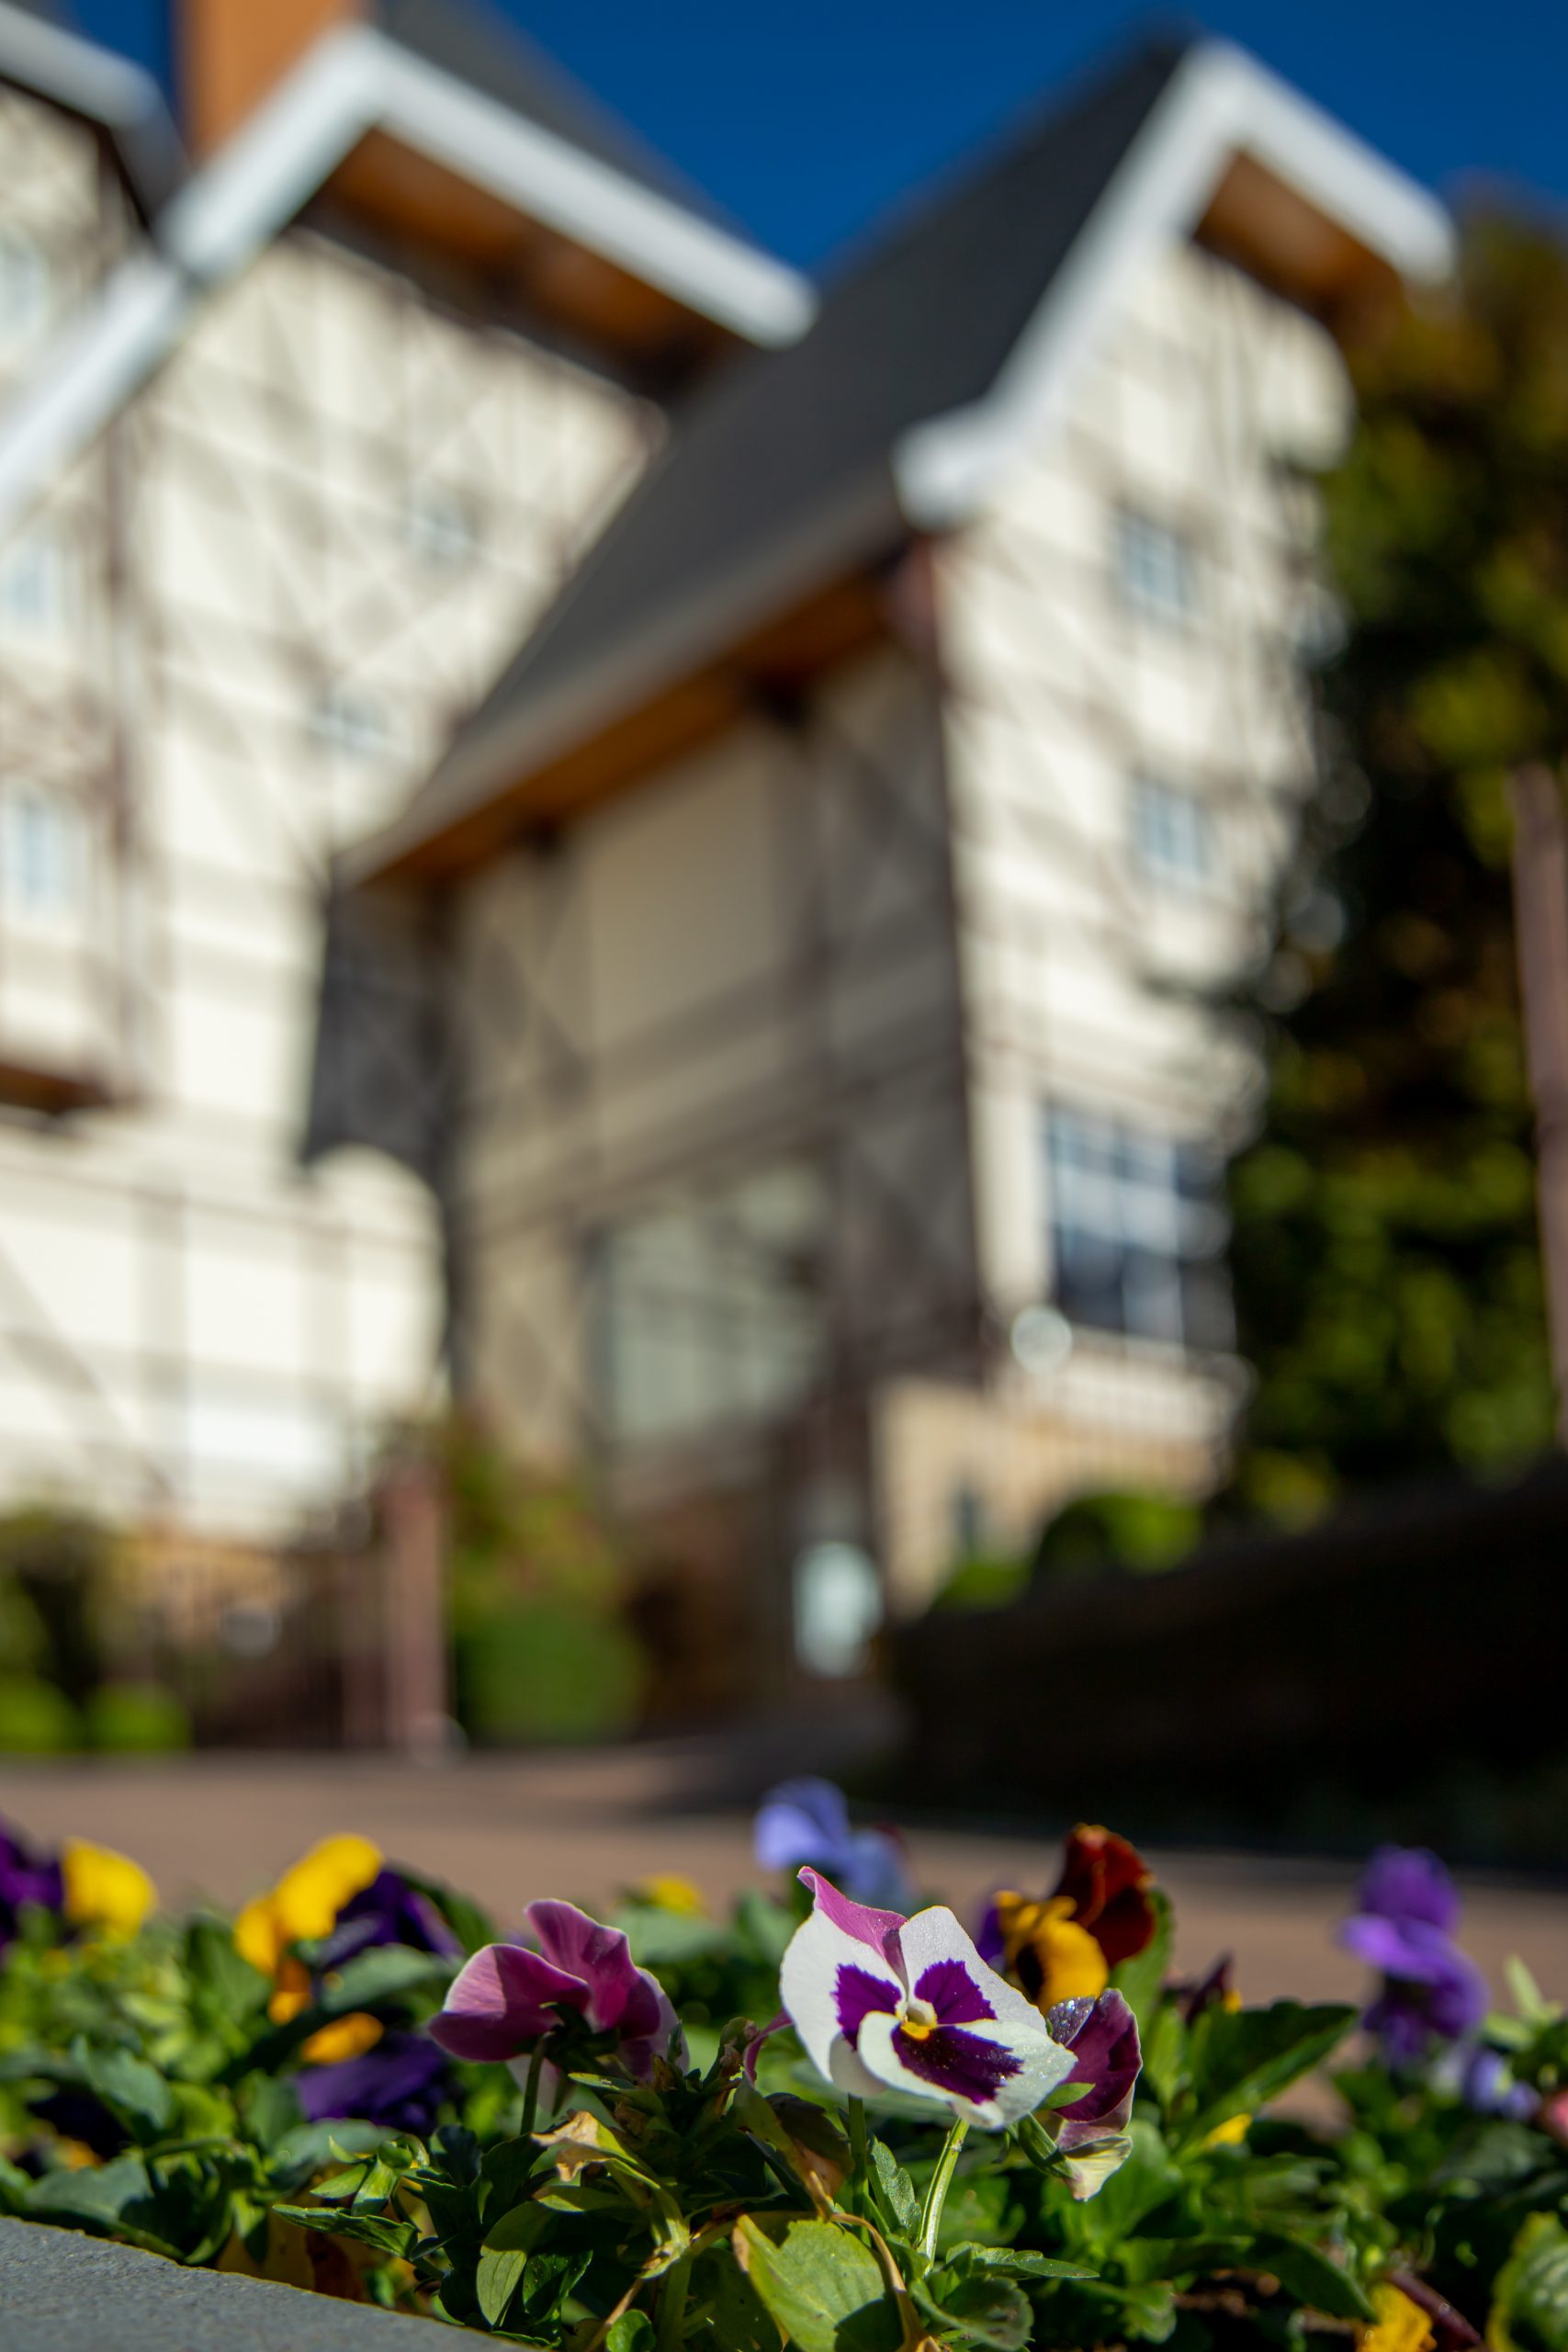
(232, 51)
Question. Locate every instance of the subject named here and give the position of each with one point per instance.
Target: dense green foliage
(153, 2086)
(1386, 1262)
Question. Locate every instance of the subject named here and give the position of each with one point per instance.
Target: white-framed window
(1156, 567)
(440, 526)
(1138, 1231)
(1173, 833)
(36, 580)
(346, 718)
(26, 288)
(43, 862)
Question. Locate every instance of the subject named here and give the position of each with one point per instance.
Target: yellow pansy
(671, 1894)
(1401, 2325)
(348, 2037)
(103, 1889)
(305, 1902)
(1226, 2135)
(1043, 1947)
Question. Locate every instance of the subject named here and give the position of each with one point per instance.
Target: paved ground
(507, 1829)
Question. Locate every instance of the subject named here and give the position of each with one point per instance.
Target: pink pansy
(507, 1998)
(883, 2003)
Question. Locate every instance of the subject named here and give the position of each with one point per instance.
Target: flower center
(918, 2021)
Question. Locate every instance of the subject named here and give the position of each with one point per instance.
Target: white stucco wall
(337, 488)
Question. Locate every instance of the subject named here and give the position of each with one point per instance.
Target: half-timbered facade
(829, 889)
(293, 450)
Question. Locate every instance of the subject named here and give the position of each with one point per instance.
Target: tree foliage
(1386, 1260)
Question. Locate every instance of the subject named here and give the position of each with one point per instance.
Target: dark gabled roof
(472, 42)
(42, 52)
(779, 478)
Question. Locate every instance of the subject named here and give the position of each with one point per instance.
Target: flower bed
(836, 2118)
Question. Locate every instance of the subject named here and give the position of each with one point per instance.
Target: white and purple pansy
(883, 2003)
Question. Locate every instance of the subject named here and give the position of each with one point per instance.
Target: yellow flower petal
(293, 1992)
(1226, 2135)
(310, 1893)
(1401, 2325)
(258, 1935)
(671, 1894)
(104, 1889)
(1053, 1958)
(348, 2037)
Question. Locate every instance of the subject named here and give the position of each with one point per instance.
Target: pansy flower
(885, 2003)
(507, 1998)
(400, 2084)
(1432, 1993)
(1062, 1946)
(83, 1885)
(341, 1898)
(808, 1821)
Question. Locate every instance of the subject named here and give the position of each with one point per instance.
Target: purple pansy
(1432, 1992)
(1104, 2038)
(1487, 2086)
(807, 1820)
(507, 1998)
(26, 1879)
(400, 2084)
(388, 1911)
(885, 2003)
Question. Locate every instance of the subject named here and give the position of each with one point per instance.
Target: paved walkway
(506, 1830)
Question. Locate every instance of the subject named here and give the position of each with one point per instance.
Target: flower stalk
(941, 2181)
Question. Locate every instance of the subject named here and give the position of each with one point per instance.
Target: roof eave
(1219, 103)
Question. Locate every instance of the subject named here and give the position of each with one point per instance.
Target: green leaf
(496, 2279)
(1141, 1980)
(270, 2109)
(897, 2190)
(132, 2089)
(989, 2311)
(1312, 2277)
(1017, 2261)
(233, 1987)
(97, 2195)
(1241, 2058)
(1530, 2308)
(633, 2332)
(1164, 2053)
(822, 2284)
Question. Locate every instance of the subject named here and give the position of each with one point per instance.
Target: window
(1137, 1232)
(42, 851)
(348, 721)
(26, 288)
(709, 1312)
(1172, 833)
(35, 581)
(1153, 567)
(440, 526)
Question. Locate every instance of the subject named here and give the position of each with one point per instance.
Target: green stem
(531, 2088)
(673, 2304)
(858, 2148)
(936, 2195)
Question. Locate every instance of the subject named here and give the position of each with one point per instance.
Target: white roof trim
(351, 81)
(87, 79)
(1219, 103)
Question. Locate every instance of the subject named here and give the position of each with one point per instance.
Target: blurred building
(758, 1039)
(294, 444)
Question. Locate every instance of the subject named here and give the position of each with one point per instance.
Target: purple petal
(1409, 1883)
(762, 2033)
(954, 1994)
(989, 1942)
(879, 1929)
(1104, 2038)
(599, 1957)
(1407, 1949)
(804, 1820)
(857, 1995)
(502, 2001)
(964, 2064)
(400, 2084)
(26, 1876)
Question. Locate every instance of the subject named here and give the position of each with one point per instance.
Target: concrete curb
(62, 2293)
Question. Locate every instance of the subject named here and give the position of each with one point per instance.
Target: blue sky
(806, 116)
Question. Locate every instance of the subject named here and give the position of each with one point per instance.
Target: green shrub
(35, 1718)
(137, 1718)
(1142, 1532)
(546, 1670)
